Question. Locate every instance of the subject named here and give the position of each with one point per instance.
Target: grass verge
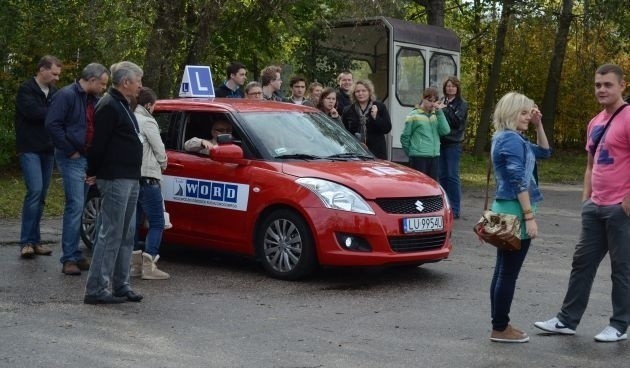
(561, 168)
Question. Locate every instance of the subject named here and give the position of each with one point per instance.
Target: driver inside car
(201, 145)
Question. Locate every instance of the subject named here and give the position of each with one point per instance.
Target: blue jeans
(37, 170)
(151, 204)
(113, 244)
(449, 175)
(605, 229)
(74, 187)
(506, 271)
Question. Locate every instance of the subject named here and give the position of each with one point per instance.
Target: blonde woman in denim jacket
(517, 193)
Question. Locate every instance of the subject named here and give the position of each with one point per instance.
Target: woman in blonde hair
(517, 193)
(367, 118)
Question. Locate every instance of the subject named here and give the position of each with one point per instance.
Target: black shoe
(109, 299)
(130, 296)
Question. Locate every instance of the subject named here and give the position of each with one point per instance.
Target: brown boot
(83, 264)
(27, 251)
(42, 250)
(70, 268)
(510, 335)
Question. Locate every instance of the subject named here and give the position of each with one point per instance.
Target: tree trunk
(435, 11)
(488, 102)
(205, 21)
(550, 99)
(160, 60)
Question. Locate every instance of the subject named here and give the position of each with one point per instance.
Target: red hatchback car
(292, 188)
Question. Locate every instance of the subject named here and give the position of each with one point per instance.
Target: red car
(294, 189)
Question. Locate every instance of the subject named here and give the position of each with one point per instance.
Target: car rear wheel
(285, 245)
(91, 209)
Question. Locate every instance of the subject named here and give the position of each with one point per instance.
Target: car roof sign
(196, 82)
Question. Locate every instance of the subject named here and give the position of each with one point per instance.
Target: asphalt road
(221, 311)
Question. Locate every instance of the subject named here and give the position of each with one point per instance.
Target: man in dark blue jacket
(70, 122)
(236, 78)
(35, 150)
(114, 162)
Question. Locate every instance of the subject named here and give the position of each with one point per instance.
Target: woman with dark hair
(150, 201)
(328, 104)
(367, 118)
(456, 113)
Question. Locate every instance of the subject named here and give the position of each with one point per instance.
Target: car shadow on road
(324, 278)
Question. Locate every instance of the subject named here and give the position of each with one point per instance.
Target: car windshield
(302, 135)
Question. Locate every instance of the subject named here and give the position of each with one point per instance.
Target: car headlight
(336, 196)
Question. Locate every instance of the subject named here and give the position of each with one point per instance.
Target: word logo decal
(206, 193)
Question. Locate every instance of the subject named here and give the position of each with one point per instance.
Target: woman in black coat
(368, 119)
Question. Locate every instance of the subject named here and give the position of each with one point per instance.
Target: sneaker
(83, 264)
(27, 251)
(42, 250)
(554, 326)
(610, 334)
(70, 268)
(509, 335)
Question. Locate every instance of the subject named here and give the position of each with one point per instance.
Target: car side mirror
(228, 153)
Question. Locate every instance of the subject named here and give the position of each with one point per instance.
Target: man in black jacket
(35, 150)
(70, 122)
(114, 162)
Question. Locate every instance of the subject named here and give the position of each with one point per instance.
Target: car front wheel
(89, 216)
(285, 245)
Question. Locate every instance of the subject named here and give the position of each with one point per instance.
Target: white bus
(401, 58)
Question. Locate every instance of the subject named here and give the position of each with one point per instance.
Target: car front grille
(416, 243)
(411, 205)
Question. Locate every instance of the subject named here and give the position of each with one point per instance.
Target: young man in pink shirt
(605, 213)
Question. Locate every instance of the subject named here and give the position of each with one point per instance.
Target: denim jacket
(514, 159)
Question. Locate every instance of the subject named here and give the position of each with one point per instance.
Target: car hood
(371, 179)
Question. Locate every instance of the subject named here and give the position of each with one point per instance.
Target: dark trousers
(426, 165)
(605, 229)
(506, 271)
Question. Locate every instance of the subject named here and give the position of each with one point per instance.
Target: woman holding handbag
(514, 160)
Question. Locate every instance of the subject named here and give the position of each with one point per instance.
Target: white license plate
(421, 224)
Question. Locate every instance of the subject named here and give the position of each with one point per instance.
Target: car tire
(89, 216)
(285, 245)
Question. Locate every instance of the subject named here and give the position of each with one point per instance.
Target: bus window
(441, 67)
(409, 76)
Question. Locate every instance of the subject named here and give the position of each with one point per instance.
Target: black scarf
(363, 116)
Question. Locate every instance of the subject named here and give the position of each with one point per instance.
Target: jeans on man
(449, 175)
(604, 229)
(37, 170)
(114, 240)
(151, 204)
(73, 175)
(506, 271)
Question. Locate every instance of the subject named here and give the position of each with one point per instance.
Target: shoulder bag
(501, 230)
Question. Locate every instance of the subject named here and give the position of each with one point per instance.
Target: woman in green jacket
(421, 138)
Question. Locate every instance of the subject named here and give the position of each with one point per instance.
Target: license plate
(421, 224)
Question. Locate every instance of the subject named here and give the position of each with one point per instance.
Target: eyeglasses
(223, 130)
(254, 93)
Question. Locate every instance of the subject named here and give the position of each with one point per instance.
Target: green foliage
(286, 32)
